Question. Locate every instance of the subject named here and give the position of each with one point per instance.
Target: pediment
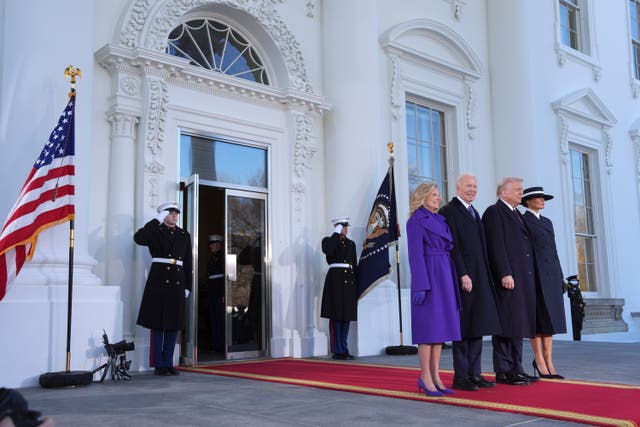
(432, 42)
(587, 105)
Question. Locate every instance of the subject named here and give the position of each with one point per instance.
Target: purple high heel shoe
(422, 387)
(445, 390)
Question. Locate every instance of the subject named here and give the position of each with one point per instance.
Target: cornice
(178, 72)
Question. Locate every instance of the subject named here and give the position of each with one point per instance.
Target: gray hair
(505, 182)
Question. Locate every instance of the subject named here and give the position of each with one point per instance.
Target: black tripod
(117, 363)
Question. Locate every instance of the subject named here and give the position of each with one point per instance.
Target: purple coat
(436, 318)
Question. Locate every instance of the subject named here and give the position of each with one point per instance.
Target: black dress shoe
(348, 356)
(462, 383)
(529, 378)
(482, 382)
(338, 356)
(173, 371)
(510, 378)
(161, 371)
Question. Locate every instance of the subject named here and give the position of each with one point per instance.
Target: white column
(353, 138)
(39, 40)
(512, 65)
(120, 215)
(355, 143)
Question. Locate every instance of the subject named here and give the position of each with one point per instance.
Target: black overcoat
(340, 293)
(510, 253)
(163, 302)
(479, 315)
(551, 319)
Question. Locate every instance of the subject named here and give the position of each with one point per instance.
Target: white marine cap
(344, 220)
(168, 206)
(215, 238)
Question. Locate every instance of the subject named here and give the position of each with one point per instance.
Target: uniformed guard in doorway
(163, 305)
(340, 294)
(215, 288)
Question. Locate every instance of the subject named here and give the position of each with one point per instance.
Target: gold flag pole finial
(72, 72)
(390, 148)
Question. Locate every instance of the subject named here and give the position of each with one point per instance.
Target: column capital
(122, 124)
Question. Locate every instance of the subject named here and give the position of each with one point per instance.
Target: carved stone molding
(156, 115)
(130, 85)
(304, 148)
(563, 54)
(148, 25)
(311, 7)
(396, 88)
(635, 88)
(152, 191)
(470, 107)
(457, 8)
(564, 137)
(122, 125)
(297, 190)
(635, 139)
(608, 146)
(155, 167)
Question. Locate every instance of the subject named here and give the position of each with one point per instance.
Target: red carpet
(578, 401)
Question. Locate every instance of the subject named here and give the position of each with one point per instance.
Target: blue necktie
(472, 212)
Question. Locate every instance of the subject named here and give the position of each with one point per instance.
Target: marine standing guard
(163, 305)
(340, 294)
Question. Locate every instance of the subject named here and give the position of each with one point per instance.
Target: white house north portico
(263, 118)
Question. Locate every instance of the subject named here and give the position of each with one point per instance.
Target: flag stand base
(65, 379)
(401, 350)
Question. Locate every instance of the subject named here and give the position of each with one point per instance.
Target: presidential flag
(381, 231)
(46, 199)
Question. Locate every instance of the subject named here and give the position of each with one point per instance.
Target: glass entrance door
(245, 274)
(190, 220)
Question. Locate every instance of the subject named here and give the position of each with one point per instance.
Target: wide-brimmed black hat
(532, 192)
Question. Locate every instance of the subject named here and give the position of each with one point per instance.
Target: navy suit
(511, 253)
(479, 314)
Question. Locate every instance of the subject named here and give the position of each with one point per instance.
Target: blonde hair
(419, 194)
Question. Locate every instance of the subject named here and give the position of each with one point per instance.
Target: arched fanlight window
(218, 47)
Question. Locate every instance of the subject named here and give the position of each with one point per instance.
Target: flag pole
(401, 349)
(68, 378)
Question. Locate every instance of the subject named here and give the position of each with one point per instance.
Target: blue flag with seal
(381, 232)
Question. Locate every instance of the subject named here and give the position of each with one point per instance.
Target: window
(583, 220)
(222, 161)
(634, 18)
(426, 150)
(570, 23)
(218, 47)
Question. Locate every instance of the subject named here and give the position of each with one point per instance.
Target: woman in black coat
(550, 317)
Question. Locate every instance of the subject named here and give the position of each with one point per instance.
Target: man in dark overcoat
(163, 305)
(479, 313)
(340, 293)
(512, 266)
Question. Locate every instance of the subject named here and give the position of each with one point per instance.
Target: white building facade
(265, 118)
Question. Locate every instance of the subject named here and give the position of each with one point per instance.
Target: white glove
(162, 215)
(187, 292)
(338, 229)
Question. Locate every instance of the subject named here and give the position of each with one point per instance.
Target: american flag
(46, 199)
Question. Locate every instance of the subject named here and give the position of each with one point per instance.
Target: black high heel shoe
(537, 372)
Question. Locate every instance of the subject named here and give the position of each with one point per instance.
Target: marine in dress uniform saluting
(340, 294)
(163, 305)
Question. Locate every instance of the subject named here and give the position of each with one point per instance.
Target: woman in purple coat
(435, 299)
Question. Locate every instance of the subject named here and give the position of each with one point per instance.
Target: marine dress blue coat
(436, 318)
